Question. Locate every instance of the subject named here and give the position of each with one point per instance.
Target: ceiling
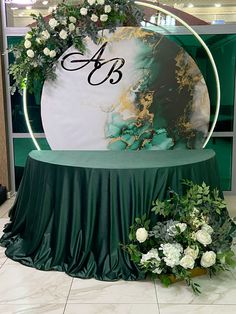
(19, 15)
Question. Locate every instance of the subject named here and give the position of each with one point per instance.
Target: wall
(4, 174)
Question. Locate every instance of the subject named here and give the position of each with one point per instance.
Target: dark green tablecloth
(74, 208)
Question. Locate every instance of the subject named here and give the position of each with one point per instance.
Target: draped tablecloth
(74, 208)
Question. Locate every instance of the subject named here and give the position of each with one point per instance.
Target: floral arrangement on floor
(37, 54)
(192, 232)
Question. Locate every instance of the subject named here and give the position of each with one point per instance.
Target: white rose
(30, 53)
(207, 228)
(187, 262)
(27, 44)
(107, 8)
(28, 36)
(72, 19)
(46, 51)
(192, 251)
(52, 54)
(182, 226)
(63, 34)
(208, 259)
(203, 237)
(83, 11)
(53, 23)
(71, 27)
(141, 235)
(38, 40)
(94, 18)
(45, 35)
(91, 2)
(103, 17)
(100, 2)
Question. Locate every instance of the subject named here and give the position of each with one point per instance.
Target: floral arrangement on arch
(193, 235)
(36, 55)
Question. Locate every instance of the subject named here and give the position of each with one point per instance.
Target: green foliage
(30, 60)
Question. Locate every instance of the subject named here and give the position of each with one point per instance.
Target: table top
(123, 159)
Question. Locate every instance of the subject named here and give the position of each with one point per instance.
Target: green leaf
(165, 280)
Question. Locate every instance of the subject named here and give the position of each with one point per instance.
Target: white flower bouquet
(185, 234)
(36, 56)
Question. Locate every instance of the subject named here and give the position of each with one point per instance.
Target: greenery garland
(37, 54)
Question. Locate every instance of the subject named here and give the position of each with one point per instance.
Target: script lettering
(78, 64)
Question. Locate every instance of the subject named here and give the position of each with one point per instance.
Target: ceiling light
(45, 2)
(190, 5)
(23, 2)
(217, 5)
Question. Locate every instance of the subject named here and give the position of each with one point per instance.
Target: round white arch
(155, 7)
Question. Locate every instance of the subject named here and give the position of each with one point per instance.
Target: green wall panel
(223, 48)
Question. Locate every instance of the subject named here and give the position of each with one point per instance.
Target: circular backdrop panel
(134, 90)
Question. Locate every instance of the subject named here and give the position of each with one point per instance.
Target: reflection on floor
(26, 290)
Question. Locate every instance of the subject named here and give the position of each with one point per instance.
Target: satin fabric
(74, 209)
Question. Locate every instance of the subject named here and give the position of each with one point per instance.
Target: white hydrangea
(28, 36)
(45, 35)
(72, 19)
(103, 17)
(153, 257)
(83, 11)
(94, 18)
(207, 228)
(52, 54)
(46, 51)
(203, 237)
(100, 2)
(208, 259)
(91, 2)
(187, 262)
(153, 253)
(63, 34)
(53, 23)
(30, 53)
(107, 8)
(27, 44)
(141, 235)
(172, 252)
(71, 27)
(192, 251)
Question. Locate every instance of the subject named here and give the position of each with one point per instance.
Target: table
(74, 208)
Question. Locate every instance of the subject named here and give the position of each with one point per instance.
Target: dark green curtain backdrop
(73, 209)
